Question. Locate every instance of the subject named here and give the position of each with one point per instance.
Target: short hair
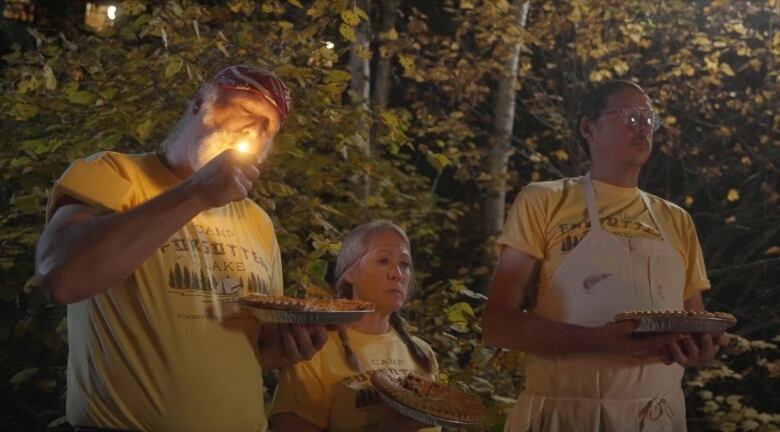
(596, 100)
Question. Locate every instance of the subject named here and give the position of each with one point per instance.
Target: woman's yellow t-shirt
(326, 392)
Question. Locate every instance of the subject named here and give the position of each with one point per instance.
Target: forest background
(433, 114)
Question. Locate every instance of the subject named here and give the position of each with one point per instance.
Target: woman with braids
(332, 391)
(574, 253)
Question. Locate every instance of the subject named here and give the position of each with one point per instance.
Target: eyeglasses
(637, 117)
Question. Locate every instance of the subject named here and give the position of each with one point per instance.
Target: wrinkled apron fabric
(601, 277)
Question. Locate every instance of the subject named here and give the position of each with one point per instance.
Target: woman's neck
(374, 323)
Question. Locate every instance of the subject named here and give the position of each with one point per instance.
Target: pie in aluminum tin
(678, 321)
(417, 397)
(315, 311)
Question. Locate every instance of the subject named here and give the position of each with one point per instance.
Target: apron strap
(590, 201)
(652, 215)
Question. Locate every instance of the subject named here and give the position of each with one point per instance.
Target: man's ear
(585, 129)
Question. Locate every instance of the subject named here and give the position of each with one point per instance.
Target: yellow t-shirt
(168, 348)
(326, 392)
(548, 219)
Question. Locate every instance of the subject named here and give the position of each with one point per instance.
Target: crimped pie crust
(675, 314)
(416, 391)
(304, 305)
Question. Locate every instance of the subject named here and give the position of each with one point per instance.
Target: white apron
(602, 276)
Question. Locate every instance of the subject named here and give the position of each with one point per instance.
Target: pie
(675, 314)
(293, 304)
(678, 321)
(417, 392)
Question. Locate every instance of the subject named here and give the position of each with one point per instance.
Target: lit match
(243, 146)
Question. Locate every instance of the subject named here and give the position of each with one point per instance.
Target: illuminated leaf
(172, 66)
(337, 75)
(349, 17)
(733, 195)
(774, 250)
(347, 32)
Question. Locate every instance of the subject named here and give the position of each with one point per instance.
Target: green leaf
(81, 97)
(24, 111)
(20, 161)
(280, 189)
(317, 269)
(27, 204)
(172, 66)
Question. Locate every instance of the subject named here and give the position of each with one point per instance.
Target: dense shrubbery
(711, 66)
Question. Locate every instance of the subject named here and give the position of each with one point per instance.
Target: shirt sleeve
(524, 228)
(695, 271)
(301, 392)
(97, 181)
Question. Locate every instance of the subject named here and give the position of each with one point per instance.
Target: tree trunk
(500, 139)
(381, 91)
(360, 86)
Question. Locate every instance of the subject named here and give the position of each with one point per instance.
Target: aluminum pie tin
(683, 324)
(420, 415)
(306, 317)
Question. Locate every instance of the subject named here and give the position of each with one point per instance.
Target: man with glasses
(576, 252)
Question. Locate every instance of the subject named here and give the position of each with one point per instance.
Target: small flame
(111, 12)
(243, 146)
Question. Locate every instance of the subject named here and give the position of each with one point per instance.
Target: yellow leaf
(687, 70)
(438, 160)
(670, 120)
(348, 32)
(143, 129)
(460, 315)
(362, 52)
(774, 250)
(350, 17)
(295, 3)
(746, 161)
(575, 16)
(337, 75)
(389, 35)
(688, 201)
(561, 155)
(733, 195)
(361, 13)
(317, 9)
(407, 62)
(726, 69)
(49, 80)
(131, 7)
